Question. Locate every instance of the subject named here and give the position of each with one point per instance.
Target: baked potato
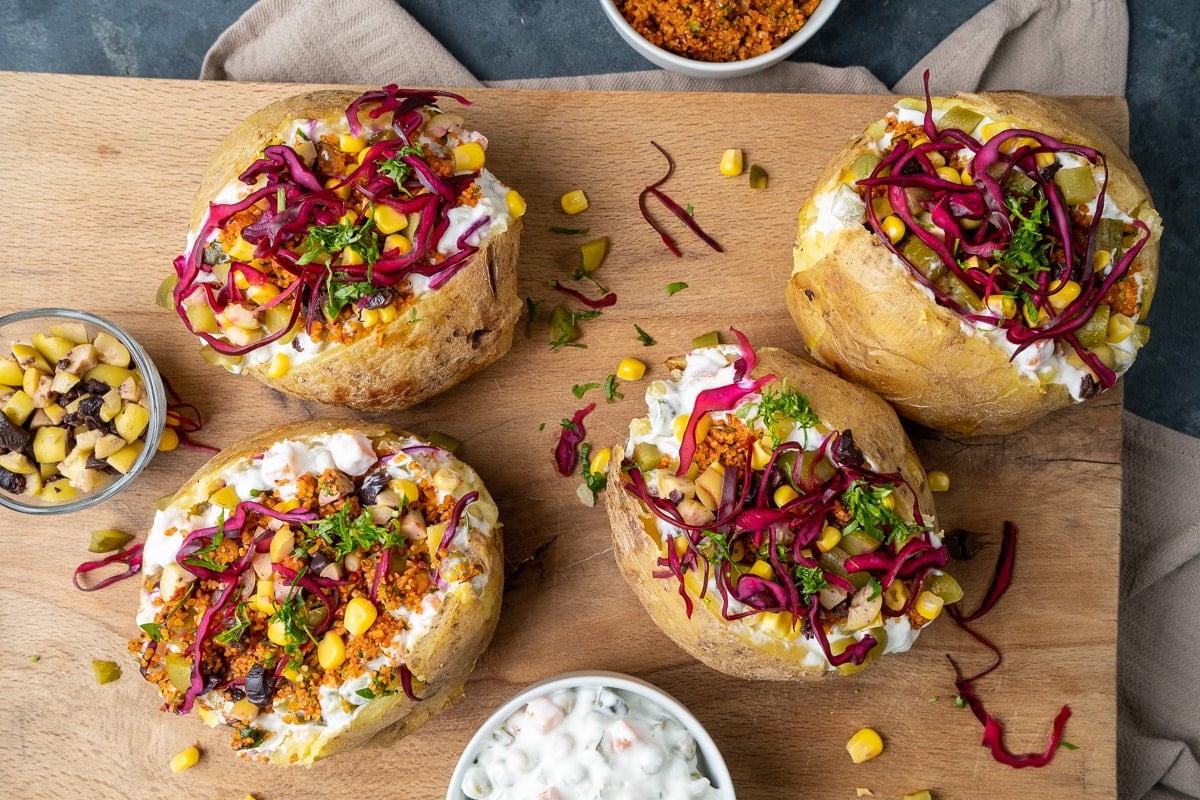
(317, 583)
(351, 249)
(951, 259)
(773, 519)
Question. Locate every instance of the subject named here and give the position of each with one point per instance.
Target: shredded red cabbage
(131, 557)
(977, 220)
(993, 732)
(293, 198)
(674, 207)
(566, 454)
(604, 302)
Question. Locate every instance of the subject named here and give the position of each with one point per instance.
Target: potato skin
(463, 326)
(864, 316)
(706, 635)
(441, 659)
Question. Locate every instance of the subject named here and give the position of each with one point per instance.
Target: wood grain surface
(98, 175)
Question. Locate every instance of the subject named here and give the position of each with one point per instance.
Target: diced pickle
(856, 543)
(959, 292)
(1019, 182)
(1076, 184)
(165, 297)
(591, 254)
(444, 441)
(710, 339)
(563, 328)
(1109, 233)
(964, 119)
(105, 671)
(108, 539)
(1095, 331)
(864, 165)
(179, 671)
(944, 586)
(922, 258)
(758, 177)
(646, 456)
(839, 646)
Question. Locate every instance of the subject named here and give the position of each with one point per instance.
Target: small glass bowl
(21, 326)
(709, 760)
(716, 69)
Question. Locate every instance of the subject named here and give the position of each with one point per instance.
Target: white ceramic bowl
(21, 326)
(711, 763)
(717, 69)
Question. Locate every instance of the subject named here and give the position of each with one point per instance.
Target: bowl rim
(717, 69)
(155, 391)
(713, 763)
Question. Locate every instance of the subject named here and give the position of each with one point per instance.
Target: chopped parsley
(249, 736)
(205, 556)
(1027, 254)
(610, 389)
(367, 693)
(580, 389)
(240, 622)
(153, 630)
(346, 534)
(324, 241)
(1067, 745)
(959, 702)
(646, 339)
(812, 580)
(395, 167)
(870, 515)
(876, 588)
(413, 319)
(343, 293)
(676, 287)
(531, 307)
(778, 405)
(568, 231)
(596, 481)
(292, 615)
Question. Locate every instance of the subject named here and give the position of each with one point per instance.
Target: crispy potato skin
(441, 660)
(865, 317)
(706, 635)
(464, 326)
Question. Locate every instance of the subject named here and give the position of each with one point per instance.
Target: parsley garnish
(568, 329)
(876, 588)
(869, 514)
(395, 166)
(596, 481)
(677, 286)
(610, 389)
(1067, 745)
(777, 405)
(413, 319)
(959, 702)
(812, 579)
(241, 621)
(646, 339)
(327, 240)
(153, 630)
(343, 294)
(531, 306)
(292, 614)
(367, 693)
(568, 231)
(580, 389)
(346, 534)
(253, 736)
(1027, 254)
(204, 556)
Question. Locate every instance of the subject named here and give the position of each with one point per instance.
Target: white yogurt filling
(586, 744)
(278, 469)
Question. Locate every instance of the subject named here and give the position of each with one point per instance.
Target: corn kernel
(280, 365)
(763, 569)
(1100, 260)
(352, 258)
(515, 203)
(289, 505)
(342, 191)
(185, 759)
(294, 675)
(679, 427)
(360, 616)
(263, 604)
(468, 157)
(574, 201)
(929, 605)
(1044, 159)
(389, 220)
(864, 745)
(387, 314)
(939, 481)
(446, 480)
(226, 497)
(630, 369)
(406, 489)
(784, 495)
(760, 455)
(967, 178)
(363, 155)
(889, 501)
(397, 241)
(921, 795)
(949, 174)
(277, 633)
(1002, 305)
(1043, 316)
(240, 280)
(600, 460)
(369, 317)
(992, 128)
(351, 144)
(169, 440)
(1119, 328)
(893, 228)
(732, 162)
(1063, 294)
(331, 651)
(829, 538)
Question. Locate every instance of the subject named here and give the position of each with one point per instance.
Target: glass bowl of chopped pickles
(82, 410)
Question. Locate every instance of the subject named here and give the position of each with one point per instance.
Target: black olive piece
(260, 686)
(372, 485)
(1088, 387)
(210, 683)
(11, 481)
(96, 387)
(846, 452)
(235, 693)
(13, 438)
(318, 562)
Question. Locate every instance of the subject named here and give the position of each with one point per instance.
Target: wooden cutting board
(98, 175)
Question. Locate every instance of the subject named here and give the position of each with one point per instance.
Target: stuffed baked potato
(774, 519)
(952, 259)
(352, 249)
(317, 583)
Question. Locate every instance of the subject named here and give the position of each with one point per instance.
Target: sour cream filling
(710, 368)
(842, 208)
(492, 204)
(279, 468)
(580, 744)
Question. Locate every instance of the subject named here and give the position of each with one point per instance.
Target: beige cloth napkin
(1051, 46)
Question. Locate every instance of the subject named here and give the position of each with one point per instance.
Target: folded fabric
(1072, 47)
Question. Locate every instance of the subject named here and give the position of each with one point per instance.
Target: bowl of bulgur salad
(717, 38)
